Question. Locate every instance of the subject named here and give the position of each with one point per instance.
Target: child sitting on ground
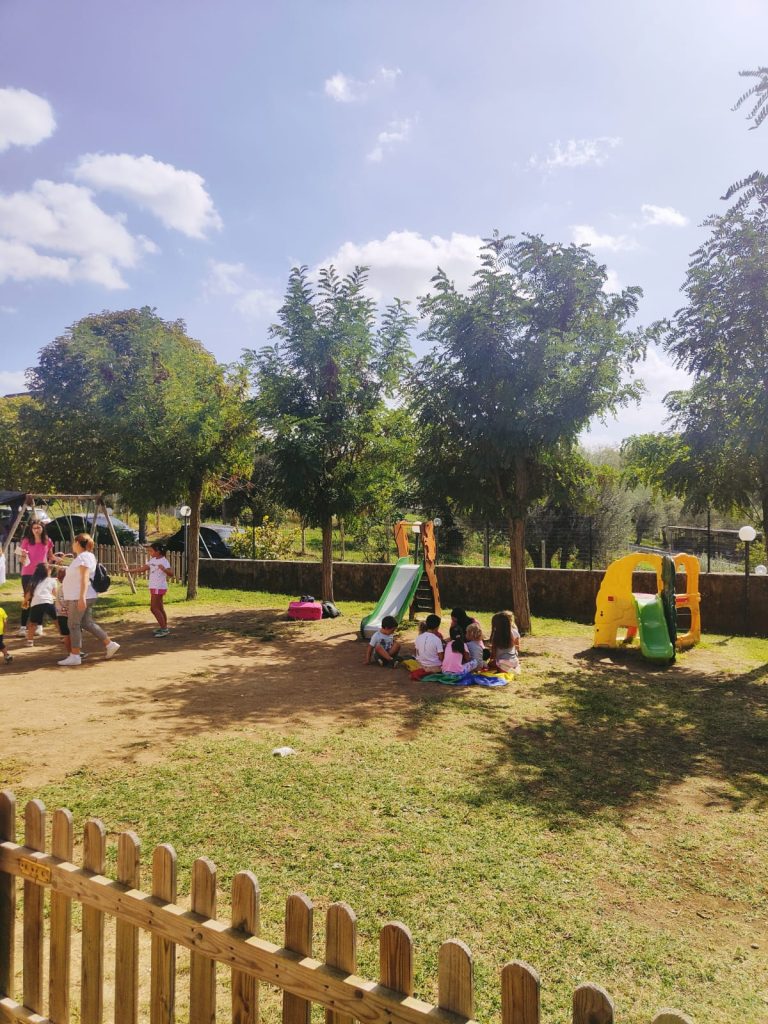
(477, 652)
(383, 648)
(505, 643)
(6, 656)
(456, 659)
(429, 645)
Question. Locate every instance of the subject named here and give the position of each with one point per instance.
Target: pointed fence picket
(304, 980)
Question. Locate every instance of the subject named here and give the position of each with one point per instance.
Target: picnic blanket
(481, 678)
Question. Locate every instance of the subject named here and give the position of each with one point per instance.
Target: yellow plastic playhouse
(653, 618)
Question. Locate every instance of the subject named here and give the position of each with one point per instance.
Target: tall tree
(320, 394)
(127, 402)
(716, 451)
(753, 190)
(520, 365)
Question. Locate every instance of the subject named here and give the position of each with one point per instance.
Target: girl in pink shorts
(160, 571)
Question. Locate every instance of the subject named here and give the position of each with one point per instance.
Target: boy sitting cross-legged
(383, 648)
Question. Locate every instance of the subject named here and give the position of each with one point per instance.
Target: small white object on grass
(283, 751)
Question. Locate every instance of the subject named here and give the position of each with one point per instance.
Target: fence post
(163, 982)
(127, 935)
(7, 897)
(340, 948)
(202, 970)
(592, 1005)
(455, 979)
(62, 846)
(298, 938)
(245, 917)
(34, 838)
(520, 994)
(396, 958)
(92, 965)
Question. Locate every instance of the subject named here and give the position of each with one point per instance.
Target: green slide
(397, 597)
(652, 628)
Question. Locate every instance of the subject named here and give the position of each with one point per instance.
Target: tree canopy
(519, 366)
(320, 395)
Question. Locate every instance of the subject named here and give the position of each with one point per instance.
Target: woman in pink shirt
(36, 548)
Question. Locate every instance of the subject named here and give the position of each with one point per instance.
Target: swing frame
(100, 505)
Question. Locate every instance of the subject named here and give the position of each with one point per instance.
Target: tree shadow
(622, 732)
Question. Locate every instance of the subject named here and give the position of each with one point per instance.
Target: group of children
(463, 651)
(45, 595)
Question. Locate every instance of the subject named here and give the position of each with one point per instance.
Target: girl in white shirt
(40, 598)
(160, 571)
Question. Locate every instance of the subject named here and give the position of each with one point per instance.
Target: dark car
(64, 528)
(213, 541)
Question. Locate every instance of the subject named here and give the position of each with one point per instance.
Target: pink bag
(305, 610)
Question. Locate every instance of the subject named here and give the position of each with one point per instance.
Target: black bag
(100, 581)
(330, 611)
(306, 597)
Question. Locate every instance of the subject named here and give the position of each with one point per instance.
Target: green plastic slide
(397, 597)
(652, 628)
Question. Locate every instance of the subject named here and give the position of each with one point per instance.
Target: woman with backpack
(79, 596)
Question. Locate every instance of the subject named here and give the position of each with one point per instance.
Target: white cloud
(56, 231)
(12, 382)
(396, 132)
(9, 310)
(344, 89)
(234, 279)
(585, 234)
(612, 284)
(664, 216)
(25, 119)
(577, 153)
(659, 376)
(403, 263)
(178, 198)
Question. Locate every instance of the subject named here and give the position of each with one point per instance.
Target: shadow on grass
(620, 734)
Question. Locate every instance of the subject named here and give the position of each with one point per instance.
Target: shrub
(266, 541)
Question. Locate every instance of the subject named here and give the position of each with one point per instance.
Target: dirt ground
(217, 673)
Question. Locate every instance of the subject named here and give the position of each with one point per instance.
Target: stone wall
(555, 593)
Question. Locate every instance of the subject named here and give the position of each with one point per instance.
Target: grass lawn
(600, 818)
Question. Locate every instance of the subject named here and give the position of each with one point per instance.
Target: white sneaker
(39, 631)
(72, 659)
(111, 650)
(21, 631)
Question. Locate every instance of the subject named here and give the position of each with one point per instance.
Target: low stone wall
(555, 593)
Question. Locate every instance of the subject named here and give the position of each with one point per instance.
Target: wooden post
(62, 845)
(396, 958)
(92, 965)
(127, 935)
(115, 541)
(520, 994)
(455, 981)
(298, 938)
(592, 1005)
(162, 1003)
(34, 838)
(340, 948)
(202, 970)
(7, 897)
(245, 917)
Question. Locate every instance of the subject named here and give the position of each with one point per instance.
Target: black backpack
(330, 611)
(100, 581)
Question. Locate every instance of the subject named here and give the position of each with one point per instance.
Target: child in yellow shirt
(6, 656)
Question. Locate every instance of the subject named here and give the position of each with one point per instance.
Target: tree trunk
(142, 527)
(157, 520)
(341, 539)
(327, 584)
(517, 560)
(303, 538)
(193, 541)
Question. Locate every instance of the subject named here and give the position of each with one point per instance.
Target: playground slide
(397, 597)
(652, 628)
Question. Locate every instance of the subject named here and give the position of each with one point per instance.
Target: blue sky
(184, 155)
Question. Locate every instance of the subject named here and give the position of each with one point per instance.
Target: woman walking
(80, 597)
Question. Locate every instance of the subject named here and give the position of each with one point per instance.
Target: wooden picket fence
(106, 554)
(236, 944)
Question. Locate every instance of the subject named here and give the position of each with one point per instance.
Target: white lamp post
(746, 534)
(185, 512)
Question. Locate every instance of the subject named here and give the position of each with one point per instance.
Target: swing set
(31, 502)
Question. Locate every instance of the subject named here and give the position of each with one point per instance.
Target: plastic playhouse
(652, 618)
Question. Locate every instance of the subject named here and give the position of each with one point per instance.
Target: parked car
(64, 527)
(213, 540)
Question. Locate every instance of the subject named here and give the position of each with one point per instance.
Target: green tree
(24, 457)
(320, 395)
(520, 365)
(127, 403)
(716, 451)
(754, 188)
